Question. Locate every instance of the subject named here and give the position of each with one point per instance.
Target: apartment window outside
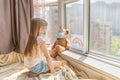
(105, 27)
(43, 10)
(74, 22)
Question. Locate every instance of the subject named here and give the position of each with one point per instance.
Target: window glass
(50, 14)
(51, 0)
(74, 22)
(105, 27)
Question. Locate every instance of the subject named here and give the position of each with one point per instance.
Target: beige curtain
(15, 18)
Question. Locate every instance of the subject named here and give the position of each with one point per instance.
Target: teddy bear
(61, 44)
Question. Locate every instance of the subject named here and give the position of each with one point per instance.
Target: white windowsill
(108, 68)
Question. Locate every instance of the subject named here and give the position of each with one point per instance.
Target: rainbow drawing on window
(77, 41)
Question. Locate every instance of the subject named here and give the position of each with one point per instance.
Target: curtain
(15, 16)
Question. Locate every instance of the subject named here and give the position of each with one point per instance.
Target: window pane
(51, 0)
(46, 12)
(74, 22)
(105, 27)
(46, 0)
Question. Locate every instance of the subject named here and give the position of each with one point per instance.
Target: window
(105, 27)
(74, 22)
(43, 10)
(51, 0)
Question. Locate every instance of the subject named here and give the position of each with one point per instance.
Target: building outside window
(105, 27)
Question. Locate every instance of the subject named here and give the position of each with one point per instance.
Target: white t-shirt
(31, 61)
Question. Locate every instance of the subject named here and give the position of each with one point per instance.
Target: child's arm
(47, 55)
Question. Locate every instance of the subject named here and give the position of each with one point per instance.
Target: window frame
(65, 20)
(86, 24)
(51, 4)
(109, 57)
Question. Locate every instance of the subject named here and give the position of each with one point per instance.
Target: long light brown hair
(31, 48)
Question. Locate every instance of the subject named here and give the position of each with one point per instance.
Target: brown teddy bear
(62, 43)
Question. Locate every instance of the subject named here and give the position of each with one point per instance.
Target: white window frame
(107, 57)
(53, 3)
(64, 3)
(86, 24)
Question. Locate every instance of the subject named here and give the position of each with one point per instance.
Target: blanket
(17, 71)
(13, 57)
(11, 68)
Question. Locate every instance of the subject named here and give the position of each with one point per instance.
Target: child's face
(42, 29)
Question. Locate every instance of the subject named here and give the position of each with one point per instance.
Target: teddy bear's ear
(67, 31)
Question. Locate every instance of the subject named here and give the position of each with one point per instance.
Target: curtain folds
(15, 16)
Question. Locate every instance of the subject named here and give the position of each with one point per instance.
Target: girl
(36, 56)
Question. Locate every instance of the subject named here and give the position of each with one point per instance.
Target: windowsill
(95, 62)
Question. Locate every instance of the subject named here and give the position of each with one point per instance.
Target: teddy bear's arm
(54, 45)
(68, 44)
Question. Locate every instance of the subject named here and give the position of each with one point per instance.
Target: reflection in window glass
(105, 27)
(74, 22)
(46, 12)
